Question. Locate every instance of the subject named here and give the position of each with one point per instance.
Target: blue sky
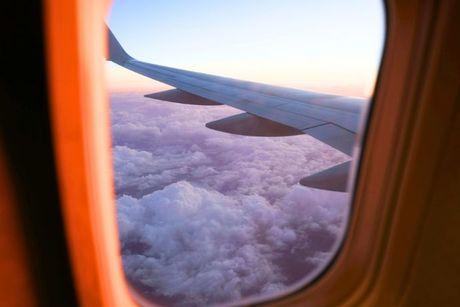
(331, 46)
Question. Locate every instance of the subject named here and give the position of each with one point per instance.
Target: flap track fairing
(179, 96)
(252, 125)
(333, 179)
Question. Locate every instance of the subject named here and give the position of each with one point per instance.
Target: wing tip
(116, 52)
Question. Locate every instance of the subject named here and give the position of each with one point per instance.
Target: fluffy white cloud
(197, 243)
(208, 217)
(202, 246)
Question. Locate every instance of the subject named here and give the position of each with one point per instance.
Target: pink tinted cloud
(207, 217)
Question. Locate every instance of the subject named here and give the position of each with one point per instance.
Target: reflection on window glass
(228, 190)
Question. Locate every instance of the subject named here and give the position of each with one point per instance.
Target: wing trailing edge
(335, 136)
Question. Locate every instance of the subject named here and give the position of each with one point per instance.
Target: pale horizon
(284, 44)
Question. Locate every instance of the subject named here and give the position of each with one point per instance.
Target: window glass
(255, 206)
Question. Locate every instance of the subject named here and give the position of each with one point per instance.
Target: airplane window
(234, 126)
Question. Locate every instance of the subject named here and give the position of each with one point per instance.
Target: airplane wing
(268, 110)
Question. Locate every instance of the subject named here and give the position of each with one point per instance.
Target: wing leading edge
(270, 110)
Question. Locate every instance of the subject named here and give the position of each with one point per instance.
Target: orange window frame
(385, 193)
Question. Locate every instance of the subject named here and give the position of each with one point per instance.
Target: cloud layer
(207, 217)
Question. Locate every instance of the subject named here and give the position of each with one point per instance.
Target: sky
(207, 217)
(330, 46)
